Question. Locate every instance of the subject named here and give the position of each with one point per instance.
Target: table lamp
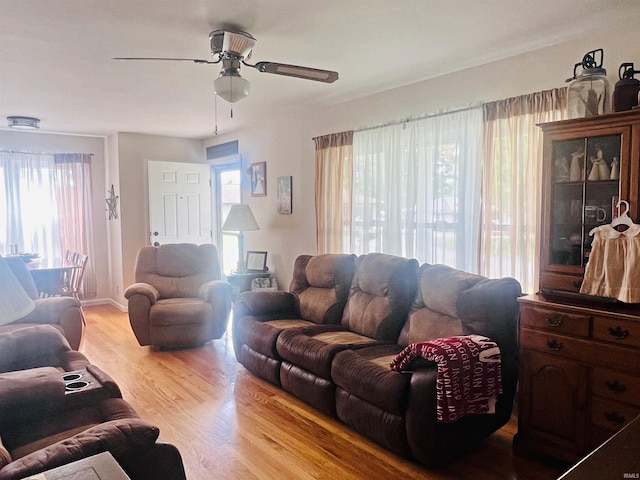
(14, 301)
(240, 219)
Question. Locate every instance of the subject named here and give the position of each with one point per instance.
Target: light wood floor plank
(230, 425)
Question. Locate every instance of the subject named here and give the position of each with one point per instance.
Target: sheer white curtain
(29, 203)
(73, 196)
(512, 184)
(46, 199)
(416, 189)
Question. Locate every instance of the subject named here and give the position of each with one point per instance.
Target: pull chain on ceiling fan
(233, 48)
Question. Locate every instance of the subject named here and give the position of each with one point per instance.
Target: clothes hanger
(622, 219)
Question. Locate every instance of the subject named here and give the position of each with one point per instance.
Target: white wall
(133, 152)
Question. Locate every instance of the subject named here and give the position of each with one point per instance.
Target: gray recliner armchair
(179, 299)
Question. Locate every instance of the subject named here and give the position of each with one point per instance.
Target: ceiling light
(24, 123)
(231, 86)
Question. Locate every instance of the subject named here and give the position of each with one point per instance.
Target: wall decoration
(259, 179)
(285, 204)
(112, 204)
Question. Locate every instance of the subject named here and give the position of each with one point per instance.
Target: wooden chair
(73, 285)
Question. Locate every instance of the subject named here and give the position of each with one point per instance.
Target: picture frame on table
(285, 204)
(256, 261)
(258, 179)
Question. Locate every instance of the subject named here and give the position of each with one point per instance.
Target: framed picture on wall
(284, 195)
(258, 179)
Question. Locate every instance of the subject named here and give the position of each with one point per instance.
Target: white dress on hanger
(613, 269)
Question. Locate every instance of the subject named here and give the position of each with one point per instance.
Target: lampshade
(14, 301)
(231, 86)
(24, 123)
(240, 219)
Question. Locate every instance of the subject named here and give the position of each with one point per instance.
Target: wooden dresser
(579, 377)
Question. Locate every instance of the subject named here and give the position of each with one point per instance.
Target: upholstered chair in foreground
(179, 299)
(64, 313)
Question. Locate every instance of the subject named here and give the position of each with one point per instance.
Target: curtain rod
(42, 153)
(421, 117)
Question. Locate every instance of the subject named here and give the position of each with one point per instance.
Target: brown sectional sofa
(330, 339)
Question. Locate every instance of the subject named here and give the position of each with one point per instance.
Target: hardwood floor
(230, 425)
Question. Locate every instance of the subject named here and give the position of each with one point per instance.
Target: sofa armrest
(162, 460)
(144, 289)
(279, 303)
(490, 308)
(30, 346)
(122, 438)
(65, 312)
(216, 291)
(28, 393)
(105, 380)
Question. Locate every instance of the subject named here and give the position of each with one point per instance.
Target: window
(228, 193)
(416, 189)
(47, 198)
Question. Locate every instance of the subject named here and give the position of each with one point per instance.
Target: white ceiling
(56, 55)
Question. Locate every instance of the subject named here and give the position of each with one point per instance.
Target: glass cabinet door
(584, 192)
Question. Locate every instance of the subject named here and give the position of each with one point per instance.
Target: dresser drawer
(612, 415)
(558, 345)
(616, 385)
(622, 332)
(555, 321)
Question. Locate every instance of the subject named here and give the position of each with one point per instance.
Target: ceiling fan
(233, 48)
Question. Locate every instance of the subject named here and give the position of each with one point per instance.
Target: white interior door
(179, 203)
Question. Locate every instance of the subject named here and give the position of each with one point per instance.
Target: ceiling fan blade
(326, 76)
(195, 60)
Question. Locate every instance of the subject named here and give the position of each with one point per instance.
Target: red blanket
(469, 375)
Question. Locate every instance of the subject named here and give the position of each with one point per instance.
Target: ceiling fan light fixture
(230, 86)
(23, 123)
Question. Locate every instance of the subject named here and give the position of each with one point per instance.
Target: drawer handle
(618, 333)
(555, 320)
(554, 345)
(614, 417)
(615, 386)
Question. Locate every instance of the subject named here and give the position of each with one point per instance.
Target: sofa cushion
(179, 311)
(440, 287)
(382, 290)
(425, 324)
(322, 285)
(261, 336)
(365, 373)
(313, 348)
(177, 270)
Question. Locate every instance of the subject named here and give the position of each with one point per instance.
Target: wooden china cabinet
(580, 355)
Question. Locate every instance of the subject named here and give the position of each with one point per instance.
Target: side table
(241, 282)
